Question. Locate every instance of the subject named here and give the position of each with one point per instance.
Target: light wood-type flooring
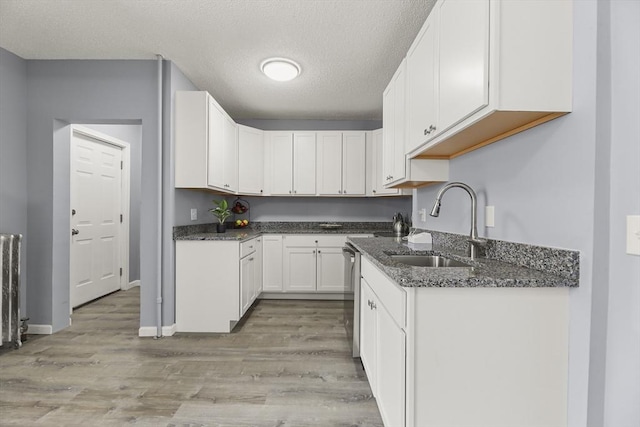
(288, 364)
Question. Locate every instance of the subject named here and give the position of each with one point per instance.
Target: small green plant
(221, 211)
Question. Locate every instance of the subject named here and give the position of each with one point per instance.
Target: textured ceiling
(348, 49)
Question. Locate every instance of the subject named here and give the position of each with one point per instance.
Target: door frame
(125, 148)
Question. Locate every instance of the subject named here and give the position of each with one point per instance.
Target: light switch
(194, 214)
(489, 216)
(633, 234)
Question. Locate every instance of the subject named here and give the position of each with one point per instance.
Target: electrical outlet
(489, 216)
(194, 214)
(423, 214)
(633, 234)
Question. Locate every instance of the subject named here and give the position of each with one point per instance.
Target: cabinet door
(388, 126)
(377, 172)
(230, 164)
(247, 280)
(354, 173)
(329, 163)
(257, 286)
(463, 60)
(299, 269)
(281, 163)
(421, 85)
(399, 118)
(368, 335)
(391, 367)
(215, 147)
(250, 160)
(330, 270)
(272, 263)
(304, 163)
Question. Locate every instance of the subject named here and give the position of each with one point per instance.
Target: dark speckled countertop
(560, 267)
(207, 231)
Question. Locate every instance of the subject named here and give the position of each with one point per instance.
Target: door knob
(74, 232)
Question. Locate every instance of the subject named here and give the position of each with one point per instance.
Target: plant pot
(221, 228)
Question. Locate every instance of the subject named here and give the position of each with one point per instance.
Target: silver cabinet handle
(74, 232)
(319, 251)
(251, 259)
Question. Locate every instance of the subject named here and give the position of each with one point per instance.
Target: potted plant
(222, 212)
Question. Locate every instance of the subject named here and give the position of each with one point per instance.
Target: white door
(330, 270)
(96, 198)
(304, 163)
(354, 172)
(250, 160)
(215, 147)
(281, 163)
(299, 269)
(329, 146)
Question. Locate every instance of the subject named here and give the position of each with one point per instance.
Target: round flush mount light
(280, 69)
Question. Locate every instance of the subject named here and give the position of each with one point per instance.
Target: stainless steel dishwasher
(352, 300)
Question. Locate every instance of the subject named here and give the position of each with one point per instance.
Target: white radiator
(10, 281)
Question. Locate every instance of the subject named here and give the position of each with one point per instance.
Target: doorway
(99, 226)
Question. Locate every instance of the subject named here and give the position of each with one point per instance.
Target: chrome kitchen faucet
(474, 240)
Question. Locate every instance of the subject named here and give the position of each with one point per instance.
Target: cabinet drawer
(248, 247)
(299, 241)
(331, 241)
(392, 296)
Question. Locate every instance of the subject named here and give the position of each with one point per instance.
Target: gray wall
(131, 133)
(326, 208)
(82, 92)
(13, 154)
(551, 186)
(622, 341)
(174, 201)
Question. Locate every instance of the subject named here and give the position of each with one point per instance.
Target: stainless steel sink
(428, 261)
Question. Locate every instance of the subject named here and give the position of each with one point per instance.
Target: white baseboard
(40, 329)
(152, 331)
(168, 331)
(337, 296)
(131, 285)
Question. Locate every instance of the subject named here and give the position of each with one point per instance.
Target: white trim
(151, 331)
(130, 285)
(125, 196)
(168, 331)
(334, 296)
(147, 331)
(40, 330)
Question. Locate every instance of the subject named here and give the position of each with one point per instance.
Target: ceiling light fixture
(280, 69)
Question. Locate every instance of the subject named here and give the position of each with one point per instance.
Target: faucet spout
(473, 234)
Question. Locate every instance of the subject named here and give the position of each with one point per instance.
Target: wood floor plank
(287, 364)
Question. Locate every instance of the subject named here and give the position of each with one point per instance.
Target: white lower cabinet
(383, 347)
(216, 282)
(272, 263)
(314, 263)
(449, 357)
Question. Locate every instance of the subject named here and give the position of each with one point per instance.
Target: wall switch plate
(423, 214)
(194, 214)
(633, 234)
(489, 216)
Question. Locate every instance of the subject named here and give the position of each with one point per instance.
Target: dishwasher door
(352, 299)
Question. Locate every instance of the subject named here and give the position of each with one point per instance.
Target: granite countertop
(561, 270)
(207, 231)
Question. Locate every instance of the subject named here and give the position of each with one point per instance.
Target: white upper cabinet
(304, 163)
(341, 163)
(393, 124)
(293, 163)
(480, 71)
(205, 144)
(376, 173)
(250, 160)
(329, 163)
(354, 163)
(281, 163)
